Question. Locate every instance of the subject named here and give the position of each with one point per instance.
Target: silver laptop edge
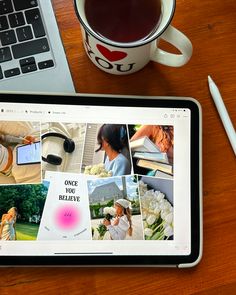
(57, 79)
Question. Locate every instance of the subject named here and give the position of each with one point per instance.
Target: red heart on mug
(111, 55)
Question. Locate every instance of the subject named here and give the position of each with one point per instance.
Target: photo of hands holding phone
(20, 152)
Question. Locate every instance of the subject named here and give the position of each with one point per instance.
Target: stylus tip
(210, 79)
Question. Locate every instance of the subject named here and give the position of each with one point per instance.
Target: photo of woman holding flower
(111, 201)
(121, 224)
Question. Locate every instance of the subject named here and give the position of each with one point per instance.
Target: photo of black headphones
(68, 145)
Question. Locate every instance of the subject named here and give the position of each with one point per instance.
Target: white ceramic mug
(126, 58)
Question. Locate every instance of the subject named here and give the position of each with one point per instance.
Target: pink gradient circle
(67, 217)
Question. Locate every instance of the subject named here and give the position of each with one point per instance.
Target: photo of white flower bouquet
(157, 214)
(109, 213)
(98, 170)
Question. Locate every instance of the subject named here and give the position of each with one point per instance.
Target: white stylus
(229, 128)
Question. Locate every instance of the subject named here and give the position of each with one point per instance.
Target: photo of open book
(144, 144)
(159, 157)
(166, 168)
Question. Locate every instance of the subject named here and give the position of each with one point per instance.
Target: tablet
(121, 182)
(28, 154)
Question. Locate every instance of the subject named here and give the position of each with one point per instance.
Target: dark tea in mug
(123, 20)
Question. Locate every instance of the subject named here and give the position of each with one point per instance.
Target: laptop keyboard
(24, 46)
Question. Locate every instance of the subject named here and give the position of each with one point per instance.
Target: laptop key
(12, 72)
(30, 48)
(6, 6)
(29, 68)
(33, 17)
(3, 23)
(5, 54)
(24, 33)
(27, 61)
(8, 37)
(24, 4)
(46, 64)
(16, 19)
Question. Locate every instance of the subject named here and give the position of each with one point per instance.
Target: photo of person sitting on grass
(21, 221)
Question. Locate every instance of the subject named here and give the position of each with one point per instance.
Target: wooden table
(211, 27)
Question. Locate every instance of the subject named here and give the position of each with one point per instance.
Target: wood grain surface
(211, 26)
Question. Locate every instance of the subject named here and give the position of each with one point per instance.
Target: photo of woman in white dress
(7, 226)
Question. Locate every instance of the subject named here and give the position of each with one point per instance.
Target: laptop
(32, 56)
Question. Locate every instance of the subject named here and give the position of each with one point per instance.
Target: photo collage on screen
(86, 181)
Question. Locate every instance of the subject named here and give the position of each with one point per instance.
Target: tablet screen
(115, 181)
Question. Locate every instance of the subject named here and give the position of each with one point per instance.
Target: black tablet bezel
(123, 260)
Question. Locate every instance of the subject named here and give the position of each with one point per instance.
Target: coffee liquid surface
(123, 20)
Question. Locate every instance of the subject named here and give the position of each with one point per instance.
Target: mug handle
(178, 40)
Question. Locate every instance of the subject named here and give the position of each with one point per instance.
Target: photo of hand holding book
(152, 149)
